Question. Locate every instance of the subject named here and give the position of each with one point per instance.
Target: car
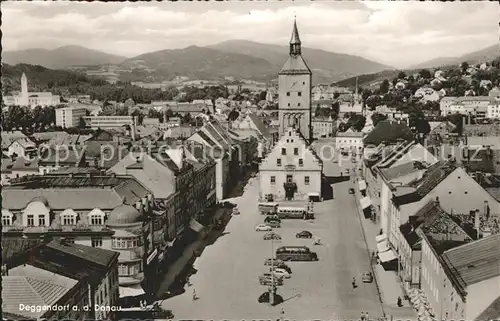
(281, 272)
(347, 171)
(274, 262)
(272, 236)
(351, 190)
(304, 235)
(367, 277)
(267, 279)
(263, 228)
(272, 218)
(236, 211)
(264, 298)
(274, 224)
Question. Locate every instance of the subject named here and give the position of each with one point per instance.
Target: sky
(395, 33)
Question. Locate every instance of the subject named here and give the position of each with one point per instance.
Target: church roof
(295, 65)
(295, 35)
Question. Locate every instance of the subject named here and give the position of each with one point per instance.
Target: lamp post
(271, 288)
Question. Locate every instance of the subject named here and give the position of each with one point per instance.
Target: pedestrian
(188, 281)
(194, 295)
(366, 316)
(400, 302)
(362, 316)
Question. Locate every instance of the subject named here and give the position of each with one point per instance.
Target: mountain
(488, 53)
(326, 66)
(201, 63)
(61, 57)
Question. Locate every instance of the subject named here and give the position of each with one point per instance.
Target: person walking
(194, 295)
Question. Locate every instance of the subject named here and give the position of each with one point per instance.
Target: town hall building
(292, 170)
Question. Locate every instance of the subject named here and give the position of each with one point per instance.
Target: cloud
(396, 33)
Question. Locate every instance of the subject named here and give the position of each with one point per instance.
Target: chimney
(477, 224)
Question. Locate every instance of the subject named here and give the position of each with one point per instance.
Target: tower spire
(295, 40)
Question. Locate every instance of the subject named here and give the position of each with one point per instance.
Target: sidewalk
(388, 283)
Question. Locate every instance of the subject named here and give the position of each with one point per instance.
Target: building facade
(69, 116)
(31, 99)
(291, 171)
(323, 127)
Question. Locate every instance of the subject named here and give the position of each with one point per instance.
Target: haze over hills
(61, 57)
(326, 66)
(235, 58)
(488, 53)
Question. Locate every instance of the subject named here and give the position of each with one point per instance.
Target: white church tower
(294, 82)
(23, 97)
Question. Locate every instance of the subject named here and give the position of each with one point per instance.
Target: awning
(381, 237)
(133, 290)
(195, 226)
(313, 194)
(387, 256)
(365, 202)
(362, 185)
(382, 246)
(171, 243)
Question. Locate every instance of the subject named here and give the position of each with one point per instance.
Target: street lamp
(272, 287)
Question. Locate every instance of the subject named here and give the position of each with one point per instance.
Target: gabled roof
(102, 257)
(426, 215)
(259, 124)
(295, 65)
(388, 132)
(474, 262)
(434, 175)
(401, 170)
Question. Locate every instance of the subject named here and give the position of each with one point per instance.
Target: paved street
(227, 278)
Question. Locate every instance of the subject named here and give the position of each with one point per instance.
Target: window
(295, 151)
(96, 242)
(283, 151)
(298, 104)
(288, 104)
(299, 93)
(288, 93)
(278, 162)
(122, 270)
(31, 220)
(6, 220)
(301, 162)
(306, 180)
(68, 220)
(96, 219)
(273, 180)
(41, 220)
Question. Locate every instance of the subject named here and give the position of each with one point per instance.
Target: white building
(349, 141)
(69, 116)
(33, 99)
(109, 122)
(493, 111)
(469, 105)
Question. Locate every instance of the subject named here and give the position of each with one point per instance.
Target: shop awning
(313, 194)
(365, 202)
(362, 185)
(382, 246)
(133, 290)
(195, 226)
(381, 237)
(387, 256)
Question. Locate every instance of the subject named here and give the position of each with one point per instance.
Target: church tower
(294, 81)
(23, 97)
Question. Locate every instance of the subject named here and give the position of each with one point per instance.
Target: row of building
(478, 106)
(142, 200)
(439, 227)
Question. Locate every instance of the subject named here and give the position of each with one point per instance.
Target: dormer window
(96, 217)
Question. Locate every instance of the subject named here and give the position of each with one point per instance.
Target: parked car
(281, 272)
(264, 298)
(273, 218)
(367, 277)
(272, 236)
(347, 171)
(263, 227)
(274, 224)
(351, 190)
(275, 262)
(304, 235)
(236, 211)
(267, 279)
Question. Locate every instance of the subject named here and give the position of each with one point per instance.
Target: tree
(262, 95)
(357, 122)
(384, 87)
(336, 95)
(233, 115)
(186, 119)
(373, 101)
(464, 66)
(425, 73)
(422, 126)
(401, 75)
(140, 117)
(378, 117)
(169, 114)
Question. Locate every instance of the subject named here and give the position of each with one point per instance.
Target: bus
(295, 212)
(268, 208)
(295, 253)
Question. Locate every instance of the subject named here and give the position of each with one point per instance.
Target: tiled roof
(401, 170)
(425, 216)
(8, 137)
(57, 156)
(25, 289)
(21, 164)
(74, 192)
(434, 175)
(388, 132)
(295, 65)
(95, 255)
(13, 246)
(259, 124)
(350, 134)
(474, 262)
